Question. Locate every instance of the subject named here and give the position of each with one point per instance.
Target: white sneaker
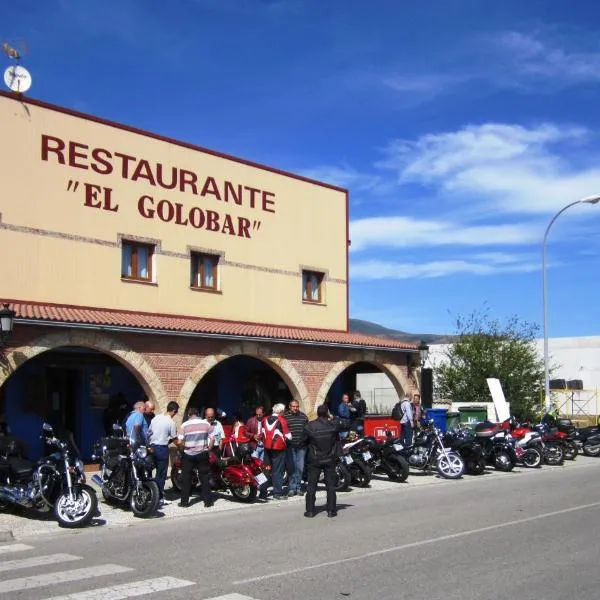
(164, 502)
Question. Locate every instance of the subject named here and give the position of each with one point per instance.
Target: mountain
(369, 328)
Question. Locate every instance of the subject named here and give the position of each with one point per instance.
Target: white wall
(378, 392)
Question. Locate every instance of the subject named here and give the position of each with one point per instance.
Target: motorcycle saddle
(20, 467)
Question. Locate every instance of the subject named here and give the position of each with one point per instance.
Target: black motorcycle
(464, 441)
(126, 474)
(498, 450)
(353, 457)
(428, 452)
(383, 458)
(56, 482)
(586, 439)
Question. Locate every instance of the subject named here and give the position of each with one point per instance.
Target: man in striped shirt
(196, 439)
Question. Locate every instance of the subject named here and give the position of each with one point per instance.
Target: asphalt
(528, 534)
(25, 523)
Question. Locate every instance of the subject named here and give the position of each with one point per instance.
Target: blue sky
(459, 126)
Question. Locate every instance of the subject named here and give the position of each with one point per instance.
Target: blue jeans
(276, 458)
(295, 461)
(161, 459)
(407, 434)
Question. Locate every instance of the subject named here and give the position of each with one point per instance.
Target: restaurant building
(141, 266)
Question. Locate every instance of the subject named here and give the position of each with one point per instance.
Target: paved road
(525, 535)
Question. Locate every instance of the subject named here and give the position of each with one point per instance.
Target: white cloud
(402, 232)
(498, 167)
(533, 57)
(383, 269)
(348, 177)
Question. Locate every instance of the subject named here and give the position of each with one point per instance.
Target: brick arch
(274, 359)
(95, 340)
(398, 376)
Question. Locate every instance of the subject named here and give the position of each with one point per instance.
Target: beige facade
(75, 189)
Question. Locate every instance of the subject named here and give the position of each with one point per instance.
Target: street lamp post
(588, 200)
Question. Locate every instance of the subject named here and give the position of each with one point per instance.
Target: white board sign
(500, 404)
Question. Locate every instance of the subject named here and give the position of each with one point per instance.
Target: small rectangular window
(312, 286)
(205, 273)
(136, 261)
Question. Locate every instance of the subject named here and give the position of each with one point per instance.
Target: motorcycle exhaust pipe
(97, 480)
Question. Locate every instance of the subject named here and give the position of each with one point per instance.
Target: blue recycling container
(439, 417)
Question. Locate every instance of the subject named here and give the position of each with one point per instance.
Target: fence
(577, 405)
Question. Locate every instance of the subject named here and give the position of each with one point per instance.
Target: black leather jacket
(321, 435)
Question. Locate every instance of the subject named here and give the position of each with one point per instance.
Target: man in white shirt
(161, 433)
(218, 431)
(407, 421)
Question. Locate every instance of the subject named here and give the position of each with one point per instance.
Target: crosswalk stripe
(14, 548)
(231, 597)
(37, 581)
(128, 590)
(37, 561)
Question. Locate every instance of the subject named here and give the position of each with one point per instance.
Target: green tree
(486, 348)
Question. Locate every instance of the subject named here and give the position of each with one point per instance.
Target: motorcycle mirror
(117, 428)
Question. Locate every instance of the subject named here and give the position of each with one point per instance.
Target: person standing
(323, 449)
(254, 431)
(276, 435)
(346, 411)
(149, 411)
(417, 411)
(361, 411)
(136, 426)
(196, 440)
(218, 432)
(161, 433)
(296, 450)
(406, 421)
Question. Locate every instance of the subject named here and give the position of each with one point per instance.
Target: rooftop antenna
(16, 77)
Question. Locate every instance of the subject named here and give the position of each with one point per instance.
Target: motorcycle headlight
(141, 452)
(79, 465)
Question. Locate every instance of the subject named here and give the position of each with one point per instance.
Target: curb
(6, 535)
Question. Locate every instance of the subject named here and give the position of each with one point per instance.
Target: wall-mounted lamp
(7, 321)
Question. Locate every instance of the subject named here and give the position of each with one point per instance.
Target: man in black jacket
(323, 449)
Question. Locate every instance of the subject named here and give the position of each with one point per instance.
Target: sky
(460, 128)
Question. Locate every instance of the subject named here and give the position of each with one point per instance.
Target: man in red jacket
(276, 433)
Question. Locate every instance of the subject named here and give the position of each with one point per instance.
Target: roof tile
(79, 315)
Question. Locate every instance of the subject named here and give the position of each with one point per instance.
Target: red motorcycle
(237, 471)
(553, 442)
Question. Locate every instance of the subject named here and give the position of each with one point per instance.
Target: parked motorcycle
(529, 447)
(551, 450)
(498, 451)
(126, 474)
(354, 458)
(428, 452)
(464, 441)
(384, 458)
(239, 473)
(586, 439)
(56, 482)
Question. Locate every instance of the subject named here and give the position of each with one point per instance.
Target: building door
(61, 386)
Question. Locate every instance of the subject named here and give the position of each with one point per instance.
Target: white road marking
(443, 538)
(129, 590)
(37, 561)
(14, 548)
(230, 597)
(37, 581)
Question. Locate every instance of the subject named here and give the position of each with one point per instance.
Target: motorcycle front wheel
(450, 465)
(396, 468)
(245, 493)
(503, 462)
(144, 499)
(177, 479)
(554, 454)
(343, 478)
(76, 512)
(591, 449)
(532, 458)
(361, 474)
(571, 451)
(475, 466)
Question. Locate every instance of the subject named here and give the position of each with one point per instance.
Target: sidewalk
(27, 524)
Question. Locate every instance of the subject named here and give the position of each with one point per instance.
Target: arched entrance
(71, 381)
(380, 383)
(242, 377)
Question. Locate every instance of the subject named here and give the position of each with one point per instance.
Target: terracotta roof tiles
(121, 319)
